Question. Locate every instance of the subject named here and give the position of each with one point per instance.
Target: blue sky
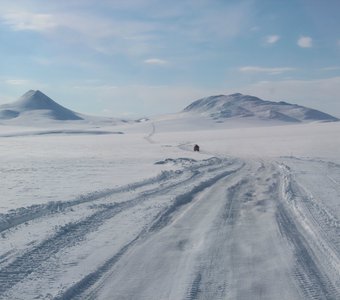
(144, 57)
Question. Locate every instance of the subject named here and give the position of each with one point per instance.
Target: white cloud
(272, 39)
(333, 68)
(30, 21)
(156, 61)
(305, 42)
(17, 81)
(91, 25)
(272, 71)
(86, 24)
(102, 34)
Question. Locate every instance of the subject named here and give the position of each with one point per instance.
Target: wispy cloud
(156, 61)
(17, 81)
(93, 30)
(272, 71)
(113, 27)
(305, 42)
(86, 24)
(30, 21)
(272, 39)
(333, 68)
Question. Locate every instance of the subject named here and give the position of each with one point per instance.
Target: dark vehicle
(196, 148)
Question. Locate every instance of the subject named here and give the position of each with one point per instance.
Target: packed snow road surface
(208, 229)
(254, 215)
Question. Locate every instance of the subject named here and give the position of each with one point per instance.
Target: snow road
(214, 229)
(206, 226)
(235, 240)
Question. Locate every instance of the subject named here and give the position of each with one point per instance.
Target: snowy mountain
(37, 103)
(224, 107)
(34, 108)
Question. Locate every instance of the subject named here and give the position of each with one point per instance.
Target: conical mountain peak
(35, 100)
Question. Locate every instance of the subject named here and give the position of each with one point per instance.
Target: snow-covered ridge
(222, 107)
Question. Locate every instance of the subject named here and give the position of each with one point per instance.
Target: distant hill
(36, 109)
(238, 106)
(36, 101)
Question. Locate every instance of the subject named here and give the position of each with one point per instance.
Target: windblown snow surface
(254, 215)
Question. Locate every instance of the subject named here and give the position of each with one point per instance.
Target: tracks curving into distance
(213, 229)
(101, 209)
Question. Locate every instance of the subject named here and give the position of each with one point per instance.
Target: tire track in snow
(249, 192)
(68, 236)
(148, 138)
(210, 280)
(25, 214)
(76, 291)
(310, 242)
(206, 287)
(313, 284)
(195, 287)
(74, 233)
(88, 287)
(327, 224)
(315, 217)
(186, 198)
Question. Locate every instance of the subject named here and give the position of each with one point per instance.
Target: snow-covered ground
(86, 213)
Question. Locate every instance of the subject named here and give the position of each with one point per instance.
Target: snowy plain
(131, 212)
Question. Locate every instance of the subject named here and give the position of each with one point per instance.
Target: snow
(36, 100)
(34, 108)
(87, 213)
(223, 107)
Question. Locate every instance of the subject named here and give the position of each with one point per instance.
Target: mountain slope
(36, 103)
(223, 107)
